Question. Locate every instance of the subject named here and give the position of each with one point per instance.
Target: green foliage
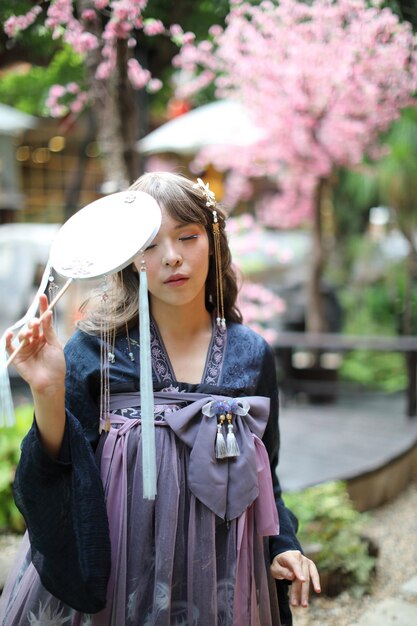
(196, 17)
(36, 39)
(390, 181)
(54, 63)
(354, 193)
(407, 10)
(377, 370)
(10, 440)
(28, 91)
(377, 309)
(329, 522)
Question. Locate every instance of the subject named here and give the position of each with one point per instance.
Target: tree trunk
(410, 277)
(408, 319)
(72, 195)
(315, 317)
(127, 113)
(114, 105)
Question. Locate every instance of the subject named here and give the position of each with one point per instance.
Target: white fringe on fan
(7, 416)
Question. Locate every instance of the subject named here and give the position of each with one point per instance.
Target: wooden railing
(334, 342)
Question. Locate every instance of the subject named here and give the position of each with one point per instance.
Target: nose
(171, 257)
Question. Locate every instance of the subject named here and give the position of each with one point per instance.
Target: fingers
(9, 345)
(37, 331)
(47, 321)
(315, 577)
(299, 569)
(282, 573)
(34, 326)
(43, 304)
(300, 588)
(295, 593)
(288, 565)
(294, 566)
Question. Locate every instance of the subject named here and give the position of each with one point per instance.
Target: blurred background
(301, 116)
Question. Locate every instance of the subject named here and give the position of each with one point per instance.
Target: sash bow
(226, 486)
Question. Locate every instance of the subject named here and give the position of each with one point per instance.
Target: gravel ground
(394, 528)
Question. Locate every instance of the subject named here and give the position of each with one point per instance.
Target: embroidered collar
(162, 367)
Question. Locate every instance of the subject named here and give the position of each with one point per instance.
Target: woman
(196, 554)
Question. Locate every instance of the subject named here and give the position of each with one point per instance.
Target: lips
(176, 280)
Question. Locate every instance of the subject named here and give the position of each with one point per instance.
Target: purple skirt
(174, 562)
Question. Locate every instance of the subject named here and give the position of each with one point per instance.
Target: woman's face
(177, 263)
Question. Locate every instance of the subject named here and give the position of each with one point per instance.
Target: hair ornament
(212, 204)
(206, 191)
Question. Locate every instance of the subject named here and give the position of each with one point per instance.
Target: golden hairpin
(211, 204)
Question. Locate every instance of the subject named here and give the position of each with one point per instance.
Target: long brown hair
(186, 204)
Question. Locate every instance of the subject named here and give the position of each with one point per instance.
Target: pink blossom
(215, 30)
(123, 19)
(81, 42)
(176, 30)
(322, 79)
(127, 10)
(88, 15)
(154, 85)
(78, 104)
(260, 308)
(104, 70)
(15, 23)
(56, 91)
(59, 13)
(61, 99)
(73, 88)
(188, 37)
(58, 110)
(138, 76)
(117, 30)
(153, 27)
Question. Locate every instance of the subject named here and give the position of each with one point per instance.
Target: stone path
(400, 610)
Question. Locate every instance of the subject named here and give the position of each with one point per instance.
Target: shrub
(373, 310)
(332, 529)
(10, 440)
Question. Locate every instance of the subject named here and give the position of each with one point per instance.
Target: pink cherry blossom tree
(106, 33)
(322, 80)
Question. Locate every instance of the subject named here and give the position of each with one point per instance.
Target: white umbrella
(13, 121)
(218, 123)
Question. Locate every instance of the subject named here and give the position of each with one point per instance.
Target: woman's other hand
(294, 566)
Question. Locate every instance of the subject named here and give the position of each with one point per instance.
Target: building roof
(224, 122)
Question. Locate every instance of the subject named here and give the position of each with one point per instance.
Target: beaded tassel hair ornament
(7, 416)
(224, 447)
(211, 203)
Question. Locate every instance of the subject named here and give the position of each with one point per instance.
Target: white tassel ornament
(231, 441)
(221, 448)
(146, 392)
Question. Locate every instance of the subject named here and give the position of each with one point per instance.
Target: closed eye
(188, 237)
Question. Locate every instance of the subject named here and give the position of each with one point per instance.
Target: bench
(334, 342)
